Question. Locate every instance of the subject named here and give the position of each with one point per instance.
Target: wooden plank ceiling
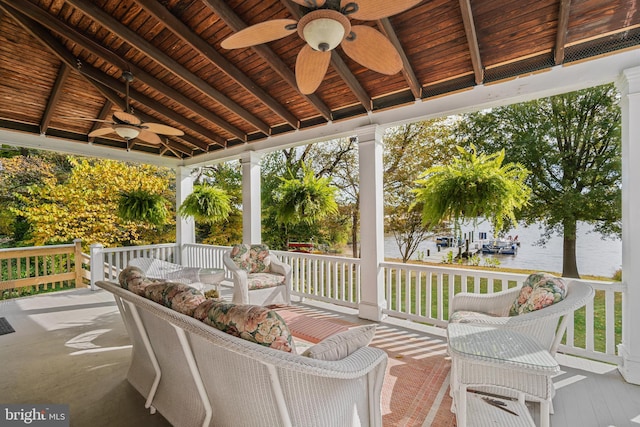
(61, 63)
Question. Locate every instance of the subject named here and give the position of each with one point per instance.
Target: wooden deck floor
(72, 348)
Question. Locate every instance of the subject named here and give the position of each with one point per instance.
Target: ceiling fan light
(127, 132)
(323, 34)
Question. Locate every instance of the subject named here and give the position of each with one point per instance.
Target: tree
(408, 150)
(85, 204)
(21, 170)
(571, 144)
(473, 185)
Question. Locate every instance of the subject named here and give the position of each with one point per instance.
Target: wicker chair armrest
(279, 267)
(497, 303)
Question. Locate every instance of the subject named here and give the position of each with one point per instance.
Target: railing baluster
(610, 319)
(589, 331)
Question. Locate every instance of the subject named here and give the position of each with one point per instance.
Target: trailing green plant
(473, 185)
(206, 204)
(305, 200)
(144, 206)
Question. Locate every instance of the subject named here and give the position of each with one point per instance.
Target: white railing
(420, 293)
(204, 256)
(326, 278)
(424, 293)
(107, 263)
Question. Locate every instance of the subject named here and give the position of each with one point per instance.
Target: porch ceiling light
(126, 131)
(324, 29)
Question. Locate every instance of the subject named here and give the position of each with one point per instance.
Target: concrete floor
(81, 360)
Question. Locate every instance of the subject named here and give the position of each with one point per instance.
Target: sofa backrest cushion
(342, 344)
(133, 279)
(538, 291)
(252, 258)
(176, 296)
(254, 323)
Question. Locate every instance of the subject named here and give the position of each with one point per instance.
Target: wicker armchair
(259, 277)
(542, 325)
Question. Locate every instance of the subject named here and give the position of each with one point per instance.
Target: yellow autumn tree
(85, 205)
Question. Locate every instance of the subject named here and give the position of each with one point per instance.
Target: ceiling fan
(128, 126)
(325, 26)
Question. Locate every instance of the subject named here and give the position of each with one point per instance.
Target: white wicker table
(498, 357)
(199, 278)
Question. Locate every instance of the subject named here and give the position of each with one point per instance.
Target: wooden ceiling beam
(472, 40)
(175, 25)
(166, 147)
(563, 28)
(337, 63)
(93, 76)
(37, 14)
(56, 93)
(95, 13)
(407, 69)
(234, 22)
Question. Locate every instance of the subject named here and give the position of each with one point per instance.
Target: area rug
(416, 384)
(5, 327)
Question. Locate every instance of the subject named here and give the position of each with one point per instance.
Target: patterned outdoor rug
(416, 385)
(5, 327)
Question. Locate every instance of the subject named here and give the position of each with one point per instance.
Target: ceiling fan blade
(311, 4)
(263, 32)
(126, 118)
(149, 137)
(373, 50)
(371, 10)
(162, 129)
(101, 132)
(311, 67)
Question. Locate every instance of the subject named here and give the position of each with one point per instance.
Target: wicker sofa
(196, 375)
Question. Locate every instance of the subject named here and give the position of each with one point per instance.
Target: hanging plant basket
(143, 206)
(207, 204)
(305, 200)
(473, 185)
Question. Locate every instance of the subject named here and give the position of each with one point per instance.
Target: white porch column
(251, 198)
(629, 349)
(185, 227)
(370, 152)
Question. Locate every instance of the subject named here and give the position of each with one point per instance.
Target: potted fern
(207, 204)
(142, 205)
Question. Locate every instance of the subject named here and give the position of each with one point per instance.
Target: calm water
(595, 256)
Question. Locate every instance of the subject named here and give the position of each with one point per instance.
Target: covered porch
(397, 296)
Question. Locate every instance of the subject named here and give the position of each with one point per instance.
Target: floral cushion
(251, 322)
(252, 258)
(176, 296)
(538, 291)
(264, 280)
(342, 344)
(134, 279)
